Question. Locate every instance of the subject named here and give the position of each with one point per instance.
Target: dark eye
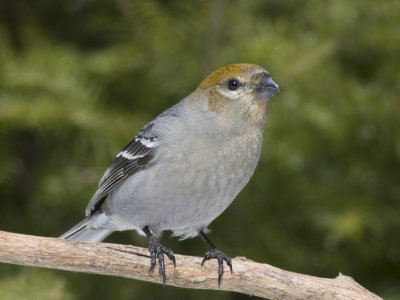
(233, 84)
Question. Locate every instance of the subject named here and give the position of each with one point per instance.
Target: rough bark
(248, 277)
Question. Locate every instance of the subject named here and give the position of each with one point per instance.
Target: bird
(186, 166)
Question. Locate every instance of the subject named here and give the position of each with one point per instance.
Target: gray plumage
(186, 166)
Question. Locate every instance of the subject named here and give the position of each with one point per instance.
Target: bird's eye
(233, 84)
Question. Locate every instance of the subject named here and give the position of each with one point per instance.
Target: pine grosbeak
(185, 167)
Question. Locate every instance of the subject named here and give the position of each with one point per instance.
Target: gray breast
(188, 187)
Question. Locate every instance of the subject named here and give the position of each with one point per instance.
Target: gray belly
(185, 193)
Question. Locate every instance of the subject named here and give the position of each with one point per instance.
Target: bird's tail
(83, 232)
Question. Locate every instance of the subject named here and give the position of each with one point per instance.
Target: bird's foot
(220, 256)
(157, 251)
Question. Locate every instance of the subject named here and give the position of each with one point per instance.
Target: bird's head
(238, 91)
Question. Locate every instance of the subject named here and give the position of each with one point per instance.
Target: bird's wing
(137, 155)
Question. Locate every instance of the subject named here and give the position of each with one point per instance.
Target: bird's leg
(217, 254)
(157, 251)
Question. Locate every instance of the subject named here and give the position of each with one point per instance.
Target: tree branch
(248, 277)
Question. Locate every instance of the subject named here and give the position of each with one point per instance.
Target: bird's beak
(267, 87)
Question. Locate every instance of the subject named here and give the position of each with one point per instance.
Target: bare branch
(248, 277)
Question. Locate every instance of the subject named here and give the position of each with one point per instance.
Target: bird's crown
(230, 71)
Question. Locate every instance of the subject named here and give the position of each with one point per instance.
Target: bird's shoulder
(138, 155)
(135, 156)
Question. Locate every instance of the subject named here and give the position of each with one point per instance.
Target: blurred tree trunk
(217, 10)
(11, 14)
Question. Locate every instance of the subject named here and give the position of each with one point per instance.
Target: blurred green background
(79, 78)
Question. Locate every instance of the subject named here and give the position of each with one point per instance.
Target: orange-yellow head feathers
(230, 71)
(238, 90)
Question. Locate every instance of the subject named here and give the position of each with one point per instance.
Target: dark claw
(220, 256)
(157, 252)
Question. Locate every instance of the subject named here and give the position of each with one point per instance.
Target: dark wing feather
(137, 155)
